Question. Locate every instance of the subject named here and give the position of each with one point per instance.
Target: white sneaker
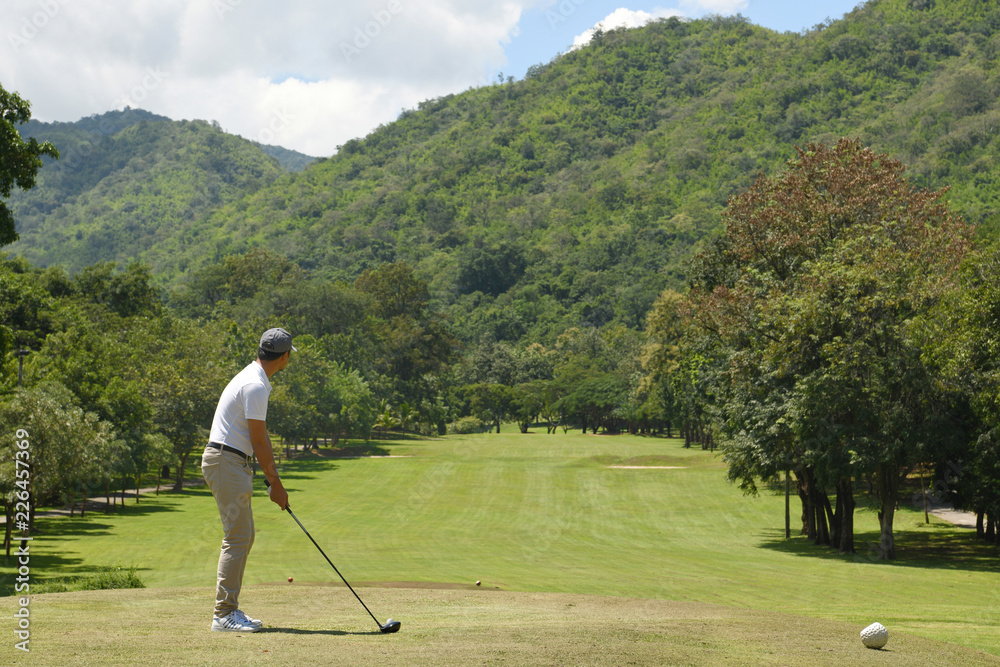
(234, 621)
(247, 619)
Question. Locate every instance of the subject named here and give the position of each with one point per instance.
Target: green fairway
(538, 513)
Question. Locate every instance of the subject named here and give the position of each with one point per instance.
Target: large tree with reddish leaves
(811, 293)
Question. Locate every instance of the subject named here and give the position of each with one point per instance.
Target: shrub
(467, 425)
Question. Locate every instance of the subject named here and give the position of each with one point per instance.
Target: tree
(528, 402)
(491, 270)
(26, 307)
(662, 357)
(96, 355)
(185, 374)
(593, 400)
(127, 291)
(19, 160)
(394, 291)
(410, 347)
(490, 402)
(384, 419)
(66, 447)
(318, 397)
(811, 297)
(963, 337)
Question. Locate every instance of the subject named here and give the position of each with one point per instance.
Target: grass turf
(321, 625)
(545, 513)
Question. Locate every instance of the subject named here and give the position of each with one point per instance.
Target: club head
(389, 626)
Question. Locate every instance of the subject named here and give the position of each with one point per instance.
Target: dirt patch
(651, 461)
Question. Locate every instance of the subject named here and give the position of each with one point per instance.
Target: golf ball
(478, 583)
(874, 636)
(289, 580)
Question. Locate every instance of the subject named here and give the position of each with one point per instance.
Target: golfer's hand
(278, 495)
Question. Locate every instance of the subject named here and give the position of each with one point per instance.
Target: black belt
(227, 448)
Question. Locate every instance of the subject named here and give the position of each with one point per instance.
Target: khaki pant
(230, 478)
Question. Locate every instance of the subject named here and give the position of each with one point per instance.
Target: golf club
(388, 626)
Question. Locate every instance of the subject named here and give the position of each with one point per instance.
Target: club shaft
(289, 510)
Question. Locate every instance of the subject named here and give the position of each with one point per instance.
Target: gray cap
(278, 341)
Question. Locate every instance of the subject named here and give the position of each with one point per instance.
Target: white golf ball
(875, 636)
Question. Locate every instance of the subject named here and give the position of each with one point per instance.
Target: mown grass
(543, 513)
(324, 625)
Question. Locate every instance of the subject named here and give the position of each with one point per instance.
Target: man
(239, 432)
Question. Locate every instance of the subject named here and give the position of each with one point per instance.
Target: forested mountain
(572, 197)
(127, 180)
(502, 254)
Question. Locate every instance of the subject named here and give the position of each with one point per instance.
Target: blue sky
(308, 74)
(547, 30)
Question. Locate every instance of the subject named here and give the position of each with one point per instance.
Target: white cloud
(624, 18)
(628, 18)
(312, 73)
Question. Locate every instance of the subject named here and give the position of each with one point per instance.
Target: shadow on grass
(310, 464)
(305, 467)
(297, 631)
(937, 546)
(39, 580)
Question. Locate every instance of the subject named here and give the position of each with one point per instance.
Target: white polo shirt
(245, 397)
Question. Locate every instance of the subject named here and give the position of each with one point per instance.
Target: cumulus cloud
(628, 18)
(623, 18)
(308, 75)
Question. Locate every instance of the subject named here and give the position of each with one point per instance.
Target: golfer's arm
(262, 449)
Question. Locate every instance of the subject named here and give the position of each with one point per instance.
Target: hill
(574, 196)
(127, 180)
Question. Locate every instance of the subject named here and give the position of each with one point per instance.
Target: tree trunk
(788, 513)
(802, 486)
(833, 532)
(179, 481)
(8, 512)
(107, 499)
(845, 516)
(923, 495)
(83, 505)
(888, 484)
(821, 503)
